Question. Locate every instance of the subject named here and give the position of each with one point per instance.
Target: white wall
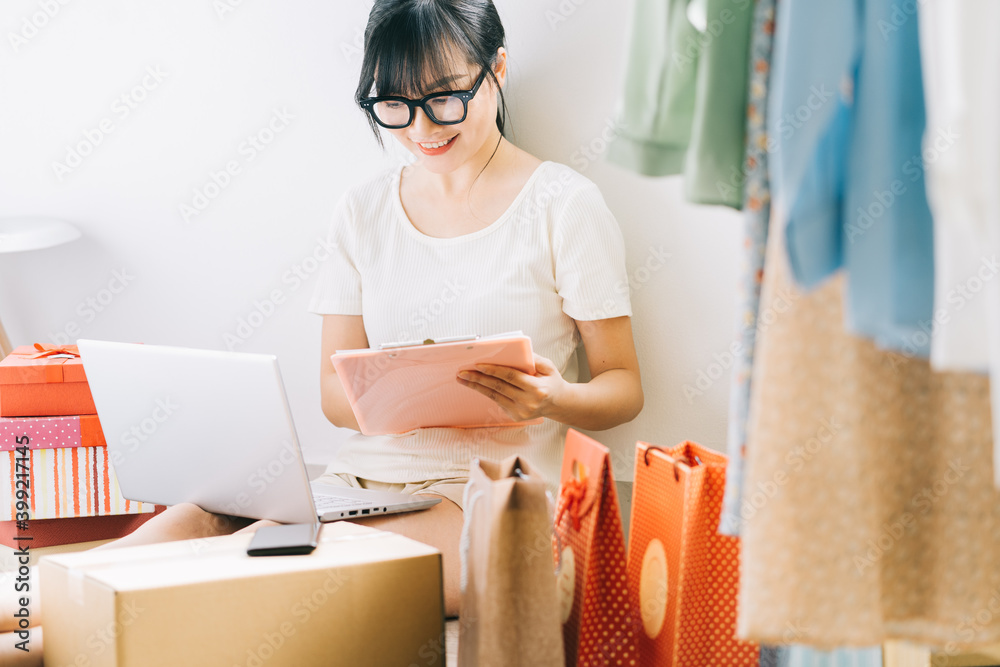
(224, 69)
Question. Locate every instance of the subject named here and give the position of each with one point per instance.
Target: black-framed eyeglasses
(444, 108)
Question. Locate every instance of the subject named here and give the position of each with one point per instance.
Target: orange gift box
(598, 619)
(44, 380)
(683, 575)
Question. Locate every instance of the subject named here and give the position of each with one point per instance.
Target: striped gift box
(67, 482)
(69, 471)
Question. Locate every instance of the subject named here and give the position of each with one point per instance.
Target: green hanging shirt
(684, 105)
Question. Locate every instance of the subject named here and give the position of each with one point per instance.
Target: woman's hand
(612, 396)
(521, 396)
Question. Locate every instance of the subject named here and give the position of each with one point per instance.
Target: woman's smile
(436, 147)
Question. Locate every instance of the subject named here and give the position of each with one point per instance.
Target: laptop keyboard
(325, 502)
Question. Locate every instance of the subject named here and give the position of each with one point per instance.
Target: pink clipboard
(401, 388)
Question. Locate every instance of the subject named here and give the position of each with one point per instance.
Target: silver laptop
(213, 428)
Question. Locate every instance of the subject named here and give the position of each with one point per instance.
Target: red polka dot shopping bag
(683, 576)
(598, 619)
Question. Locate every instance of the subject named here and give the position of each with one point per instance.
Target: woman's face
(444, 148)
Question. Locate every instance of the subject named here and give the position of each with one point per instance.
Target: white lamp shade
(20, 234)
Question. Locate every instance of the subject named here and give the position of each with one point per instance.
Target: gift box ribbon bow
(67, 352)
(574, 491)
(54, 357)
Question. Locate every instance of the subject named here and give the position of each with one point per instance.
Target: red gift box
(44, 380)
(53, 532)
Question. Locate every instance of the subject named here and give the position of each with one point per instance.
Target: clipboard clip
(427, 341)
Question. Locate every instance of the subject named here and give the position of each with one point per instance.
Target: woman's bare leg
(183, 521)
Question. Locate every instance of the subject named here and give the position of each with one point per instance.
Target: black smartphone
(285, 540)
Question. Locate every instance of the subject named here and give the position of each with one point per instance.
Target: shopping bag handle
(680, 459)
(555, 533)
(559, 550)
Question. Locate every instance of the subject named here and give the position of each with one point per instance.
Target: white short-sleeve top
(554, 256)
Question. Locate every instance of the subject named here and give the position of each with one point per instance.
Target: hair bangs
(417, 48)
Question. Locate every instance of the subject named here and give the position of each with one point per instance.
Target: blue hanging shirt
(847, 111)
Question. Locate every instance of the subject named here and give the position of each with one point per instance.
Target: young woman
(476, 236)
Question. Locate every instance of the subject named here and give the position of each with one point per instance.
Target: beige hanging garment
(869, 504)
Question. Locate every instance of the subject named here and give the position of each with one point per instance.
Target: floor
(451, 642)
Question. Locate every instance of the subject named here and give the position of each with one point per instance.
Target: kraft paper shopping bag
(509, 612)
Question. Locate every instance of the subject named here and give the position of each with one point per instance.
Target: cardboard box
(44, 381)
(905, 654)
(11, 557)
(363, 597)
